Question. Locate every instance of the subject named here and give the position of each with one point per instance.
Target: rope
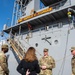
(63, 58)
(63, 62)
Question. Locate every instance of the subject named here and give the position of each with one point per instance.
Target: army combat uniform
(4, 64)
(3, 61)
(73, 65)
(73, 60)
(49, 62)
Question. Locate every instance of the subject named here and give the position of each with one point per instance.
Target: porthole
(36, 44)
(56, 41)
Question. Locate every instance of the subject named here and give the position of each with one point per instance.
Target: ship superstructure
(44, 24)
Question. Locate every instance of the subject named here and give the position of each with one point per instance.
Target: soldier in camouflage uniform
(73, 60)
(3, 60)
(47, 63)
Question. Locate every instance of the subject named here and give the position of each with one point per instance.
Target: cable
(63, 63)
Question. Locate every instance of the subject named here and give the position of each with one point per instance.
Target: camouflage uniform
(3, 62)
(49, 62)
(73, 65)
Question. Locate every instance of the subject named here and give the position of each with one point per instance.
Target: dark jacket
(32, 66)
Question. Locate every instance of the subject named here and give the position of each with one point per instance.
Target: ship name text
(35, 14)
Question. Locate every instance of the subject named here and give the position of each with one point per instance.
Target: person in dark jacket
(29, 65)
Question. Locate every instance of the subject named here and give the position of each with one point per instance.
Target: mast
(19, 10)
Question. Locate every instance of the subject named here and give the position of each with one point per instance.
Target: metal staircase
(17, 49)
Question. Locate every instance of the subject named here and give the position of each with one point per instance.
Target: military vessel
(44, 24)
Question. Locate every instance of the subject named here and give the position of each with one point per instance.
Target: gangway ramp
(17, 50)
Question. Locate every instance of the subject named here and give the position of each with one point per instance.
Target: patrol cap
(45, 50)
(72, 49)
(4, 46)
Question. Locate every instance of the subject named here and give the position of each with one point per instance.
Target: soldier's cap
(4, 46)
(45, 50)
(72, 49)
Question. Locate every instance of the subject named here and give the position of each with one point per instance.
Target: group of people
(30, 65)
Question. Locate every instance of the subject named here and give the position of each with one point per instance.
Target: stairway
(17, 49)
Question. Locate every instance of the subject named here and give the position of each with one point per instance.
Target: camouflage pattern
(73, 65)
(72, 48)
(49, 62)
(4, 46)
(45, 50)
(4, 63)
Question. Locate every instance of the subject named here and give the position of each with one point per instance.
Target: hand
(43, 67)
(27, 72)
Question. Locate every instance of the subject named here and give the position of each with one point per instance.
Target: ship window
(47, 28)
(60, 25)
(43, 28)
(50, 26)
(56, 41)
(55, 25)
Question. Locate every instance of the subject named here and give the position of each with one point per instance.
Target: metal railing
(60, 4)
(17, 49)
(18, 40)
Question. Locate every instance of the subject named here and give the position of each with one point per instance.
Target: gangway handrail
(20, 44)
(16, 47)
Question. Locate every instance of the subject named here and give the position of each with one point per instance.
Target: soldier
(3, 60)
(73, 60)
(47, 63)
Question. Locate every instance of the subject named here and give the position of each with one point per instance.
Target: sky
(6, 10)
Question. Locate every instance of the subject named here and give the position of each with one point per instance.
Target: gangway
(17, 49)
